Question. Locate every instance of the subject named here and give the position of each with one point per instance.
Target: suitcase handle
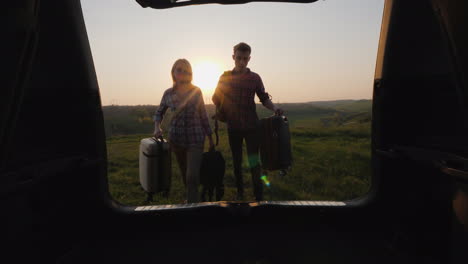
(283, 116)
(160, 137)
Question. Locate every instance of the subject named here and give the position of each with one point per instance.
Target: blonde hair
(186, 66)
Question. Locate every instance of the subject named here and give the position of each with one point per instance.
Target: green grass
(330, 145)
(328, 164)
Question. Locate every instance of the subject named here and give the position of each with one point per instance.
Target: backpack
(220, 113)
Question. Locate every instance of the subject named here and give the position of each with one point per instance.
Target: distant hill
(363, 105)
(138, 119)
(330, 104)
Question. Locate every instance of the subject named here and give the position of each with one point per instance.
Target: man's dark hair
(242, 47)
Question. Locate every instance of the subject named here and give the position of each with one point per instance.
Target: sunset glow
(206, 75)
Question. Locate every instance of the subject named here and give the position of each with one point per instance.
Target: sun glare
(206, 75)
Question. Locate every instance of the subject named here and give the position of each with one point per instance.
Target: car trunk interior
(55, 198)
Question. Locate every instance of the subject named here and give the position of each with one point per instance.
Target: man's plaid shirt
(239, 92)
(190, 125)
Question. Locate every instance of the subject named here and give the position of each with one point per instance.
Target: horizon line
(308, 102)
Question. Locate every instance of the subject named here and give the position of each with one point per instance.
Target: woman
(188, 127)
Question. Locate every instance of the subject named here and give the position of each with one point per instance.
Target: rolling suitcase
(155, 166)
(275, 143)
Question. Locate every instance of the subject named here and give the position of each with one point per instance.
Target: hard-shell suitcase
(275, 143)
(155, 166)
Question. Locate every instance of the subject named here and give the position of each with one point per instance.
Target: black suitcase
(275, 143)
(212, 171)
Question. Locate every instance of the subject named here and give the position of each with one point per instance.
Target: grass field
(330, 162)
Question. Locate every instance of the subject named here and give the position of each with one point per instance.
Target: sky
(320, 51)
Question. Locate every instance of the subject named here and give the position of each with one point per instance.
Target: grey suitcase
(155, 166)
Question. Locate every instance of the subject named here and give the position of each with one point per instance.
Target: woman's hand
(210, 140)
(157, 132)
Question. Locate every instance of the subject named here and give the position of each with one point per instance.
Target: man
(234, 97)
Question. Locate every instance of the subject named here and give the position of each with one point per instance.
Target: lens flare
(265, 180)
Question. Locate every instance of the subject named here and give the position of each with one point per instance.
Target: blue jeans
(189, 159)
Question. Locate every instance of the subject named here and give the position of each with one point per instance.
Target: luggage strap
(216, 132)
(183, 104)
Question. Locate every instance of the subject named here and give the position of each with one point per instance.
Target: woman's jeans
(189, 159)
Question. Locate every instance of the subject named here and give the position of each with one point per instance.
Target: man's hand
(279, 112)
(269, 105)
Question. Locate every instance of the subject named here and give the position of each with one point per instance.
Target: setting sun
(206, 75)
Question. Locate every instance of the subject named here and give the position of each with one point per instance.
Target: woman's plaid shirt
(239, 92)
(190, 125)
